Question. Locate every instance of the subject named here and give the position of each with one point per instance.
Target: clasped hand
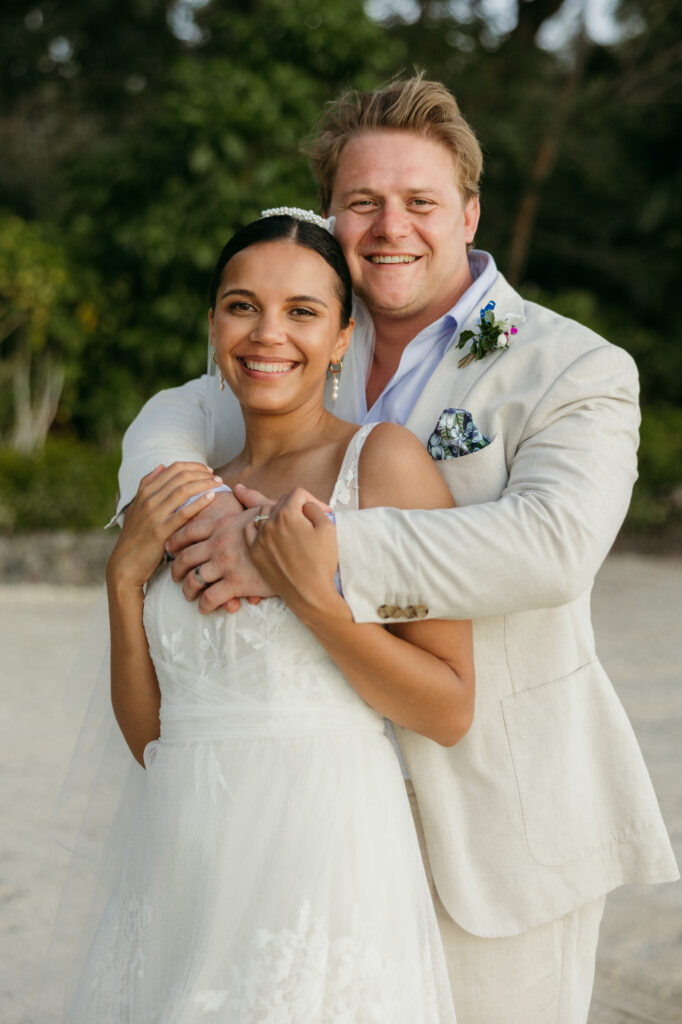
(293, 554)
(295, 551)
(158, 510)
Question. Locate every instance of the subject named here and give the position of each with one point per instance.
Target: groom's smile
(391, 259)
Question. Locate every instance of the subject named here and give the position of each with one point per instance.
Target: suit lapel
(449, 384)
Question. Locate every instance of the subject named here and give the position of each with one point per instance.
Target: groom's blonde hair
(412, 104)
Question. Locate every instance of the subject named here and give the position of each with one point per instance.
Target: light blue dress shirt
(423, 354)
(418, 362)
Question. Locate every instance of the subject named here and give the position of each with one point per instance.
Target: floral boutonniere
(492, 334)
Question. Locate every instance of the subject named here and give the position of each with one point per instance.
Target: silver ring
(261, 517)
(200, 578)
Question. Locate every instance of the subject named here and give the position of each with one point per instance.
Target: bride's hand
(296, 552)
(154, 514)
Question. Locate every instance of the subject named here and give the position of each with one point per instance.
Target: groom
(546, 805)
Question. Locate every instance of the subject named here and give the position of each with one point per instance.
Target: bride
(272, 874)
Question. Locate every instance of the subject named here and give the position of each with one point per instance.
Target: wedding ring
(261, 517)
(200, 578)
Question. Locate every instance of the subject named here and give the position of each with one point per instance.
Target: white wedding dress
(272, 874)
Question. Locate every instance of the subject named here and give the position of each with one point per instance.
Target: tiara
(307, 215)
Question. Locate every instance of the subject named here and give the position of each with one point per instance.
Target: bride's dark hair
(283, 228)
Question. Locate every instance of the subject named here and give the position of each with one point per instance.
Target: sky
(502, 15)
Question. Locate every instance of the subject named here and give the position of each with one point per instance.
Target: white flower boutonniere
(492, 334)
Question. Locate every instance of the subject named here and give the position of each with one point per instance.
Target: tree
(72, 76)
(44, 321)
(151, 211)
(581, 190)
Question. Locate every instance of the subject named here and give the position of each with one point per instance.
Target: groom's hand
(215, 545)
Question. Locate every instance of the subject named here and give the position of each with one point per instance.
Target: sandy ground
(637, 605)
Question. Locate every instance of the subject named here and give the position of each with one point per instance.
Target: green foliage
(656, 498)
(661, 448)
(66, 51)
(152, 210)
(72, 75)
(581, 141)
(67, 485)
(32, 274)
(45, 319)
(133, 147)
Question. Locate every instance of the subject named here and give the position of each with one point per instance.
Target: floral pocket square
(455, 435)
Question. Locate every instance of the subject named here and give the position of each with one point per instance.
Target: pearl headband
(299, 214)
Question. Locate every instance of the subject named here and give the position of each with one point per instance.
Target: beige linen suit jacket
(546, 803)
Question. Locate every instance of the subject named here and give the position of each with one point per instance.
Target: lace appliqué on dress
(212, 643)
(172, 645)
(300, 975)
(259, 624)
(345, 494)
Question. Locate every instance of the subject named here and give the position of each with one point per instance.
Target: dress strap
(345, 494)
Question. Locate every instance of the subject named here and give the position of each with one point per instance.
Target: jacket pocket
(477, 477)
(581, 778)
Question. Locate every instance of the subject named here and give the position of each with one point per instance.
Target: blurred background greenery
(137, 134)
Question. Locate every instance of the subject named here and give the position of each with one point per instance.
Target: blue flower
(492, 334)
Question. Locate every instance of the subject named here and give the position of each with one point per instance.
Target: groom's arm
(540, 544)
(171, 427)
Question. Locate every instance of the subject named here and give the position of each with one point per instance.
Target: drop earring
(334, 369)
(221, 379)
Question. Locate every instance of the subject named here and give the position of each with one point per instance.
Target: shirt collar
(484, 273)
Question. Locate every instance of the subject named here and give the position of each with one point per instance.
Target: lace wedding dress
(272, 874)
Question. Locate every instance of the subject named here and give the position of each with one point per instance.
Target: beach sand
(637, 603)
